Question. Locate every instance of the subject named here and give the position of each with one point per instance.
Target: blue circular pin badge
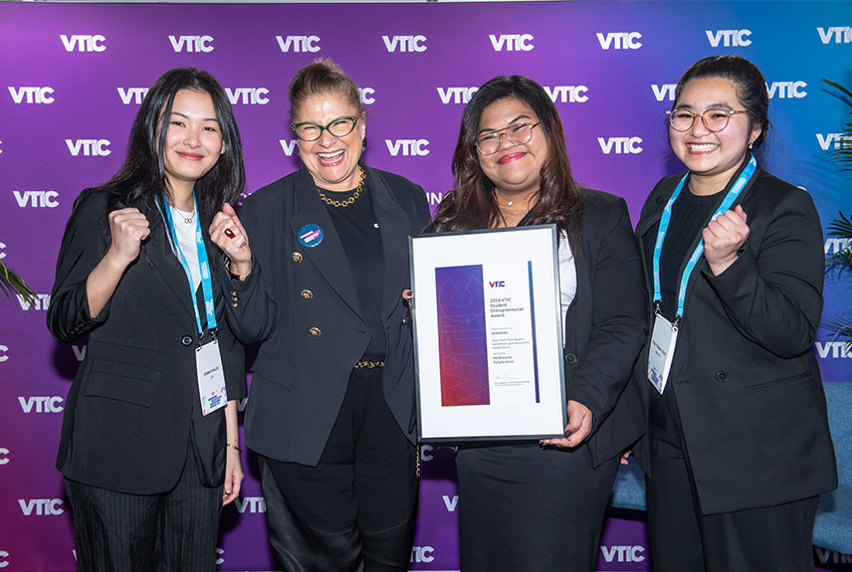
(310, 235)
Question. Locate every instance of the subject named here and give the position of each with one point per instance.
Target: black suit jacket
(134, 406)
(606, 325)
(746, 381)
(302, 304)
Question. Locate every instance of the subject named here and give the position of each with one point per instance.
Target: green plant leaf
(11, 284)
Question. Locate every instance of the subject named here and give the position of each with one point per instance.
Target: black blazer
(746, 381)
(133, 406)
(606, 325)
(302, 304)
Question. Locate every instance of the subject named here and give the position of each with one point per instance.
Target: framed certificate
(488, 335)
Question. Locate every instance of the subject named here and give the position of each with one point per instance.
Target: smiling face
(193, 140)
(712, 157)
(515, 169)
(332, 161)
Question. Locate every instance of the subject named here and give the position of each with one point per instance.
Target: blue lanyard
(206, 284)
(732, 195)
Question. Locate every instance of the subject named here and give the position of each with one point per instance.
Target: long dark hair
(142, 176)
(751, 87)
(472, 204)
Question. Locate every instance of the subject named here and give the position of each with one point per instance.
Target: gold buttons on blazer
(307, 294)
(315, 331)
(234, 299)
(296, 256)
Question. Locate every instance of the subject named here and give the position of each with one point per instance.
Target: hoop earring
(364, 142)
(751, 145)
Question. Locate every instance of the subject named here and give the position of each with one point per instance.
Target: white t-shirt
(186, 239)
(567, 277)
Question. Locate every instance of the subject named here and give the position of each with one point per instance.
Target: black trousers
(176, 530)
(524, 508)
(356, 509)
(776, 538)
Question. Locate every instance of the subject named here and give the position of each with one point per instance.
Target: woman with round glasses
(531, 506)
(738, 446)
(318, 266)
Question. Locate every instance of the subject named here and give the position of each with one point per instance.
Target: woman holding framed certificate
(738, 445)
(540, 505)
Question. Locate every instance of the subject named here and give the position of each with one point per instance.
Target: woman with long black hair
(149, 445)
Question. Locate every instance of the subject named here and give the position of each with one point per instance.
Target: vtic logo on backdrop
(83, 43)
(620, 145)
(567, 93)
(41, 404)
(4, 353)
(40, 302)
(4, 456)
(422, 554)
(728, 38)
(456, 94)
(88, 147)
(288, 146)
(299, 44)
(192, 44)
(31, 95)
(36, 199)
(130, 95)
(838, 140)
(512, 42)
(623, 553)
(252, 505)
(787, 89)
(619, 40)
(405, 44)
(248, 95)
(841, 34)
(367, 95)
(824, 556)
(41, 507)
(408, 147)
(663, 91)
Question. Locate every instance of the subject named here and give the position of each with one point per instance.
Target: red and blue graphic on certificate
(486, 334)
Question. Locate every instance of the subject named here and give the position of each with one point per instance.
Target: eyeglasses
(339, 127)
(517, 133)
(714, 119)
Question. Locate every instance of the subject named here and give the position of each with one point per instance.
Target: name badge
(663, 341)
(211, 377)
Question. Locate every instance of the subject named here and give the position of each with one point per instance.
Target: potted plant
(841, 227)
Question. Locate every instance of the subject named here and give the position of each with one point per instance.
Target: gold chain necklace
(186, 219)
(350, 200)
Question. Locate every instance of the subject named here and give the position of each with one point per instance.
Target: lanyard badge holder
(664, 336)
(208, 359)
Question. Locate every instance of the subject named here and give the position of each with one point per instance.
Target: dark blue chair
(833, 525)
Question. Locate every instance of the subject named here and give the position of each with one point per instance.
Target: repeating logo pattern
(73, 77)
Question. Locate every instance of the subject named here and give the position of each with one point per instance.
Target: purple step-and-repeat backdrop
(72, 78)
